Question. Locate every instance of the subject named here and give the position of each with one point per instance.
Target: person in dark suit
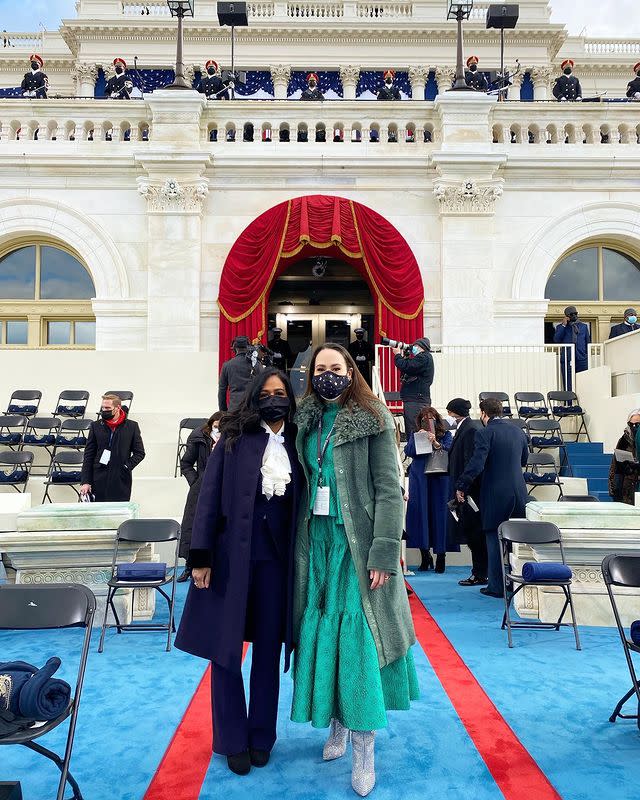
(211, 84)
(362, 353)
(241, 556)
(630, 324)
(500, 452)
(120, 86)
(572, 331)
(35, 83)
(567, 86)
(469, 526)
(282, 356)
(236, 374)
(312, 92)
(389, 91)
(473, 78)
(114, 449)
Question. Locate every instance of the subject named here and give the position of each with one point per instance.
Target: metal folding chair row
(71, 403)
(15, 469)
(534, 405)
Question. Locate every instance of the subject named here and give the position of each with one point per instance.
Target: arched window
(45, 297)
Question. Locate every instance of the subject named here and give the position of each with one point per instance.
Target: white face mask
(215, 434)
(453, 422)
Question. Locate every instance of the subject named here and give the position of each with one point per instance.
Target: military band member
(119, 87)
(474, 79)
(312, 92)
(282, 356)
(211, 84)
(633, 87)
(35, 83)
(567, 86)
(363, 354)
(389, 91)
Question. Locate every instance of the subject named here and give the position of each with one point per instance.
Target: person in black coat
(567, 86)
(473, 78)
(469, 526)
(35, 83)
(120, 86)
(211, 84)
(633, 87)
(282, 355)
(236, 374)
(362, 353)
(389, 91)
(312, 92)
(114, 449)
(629, 325)
(242, 550)
(416, 377)
(500, 452)
(193, 463)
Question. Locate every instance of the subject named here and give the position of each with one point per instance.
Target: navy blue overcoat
(500, 452)
(213, 623)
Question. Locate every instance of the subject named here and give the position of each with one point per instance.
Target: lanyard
(322, 448)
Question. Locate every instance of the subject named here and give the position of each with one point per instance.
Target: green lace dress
(336, 670)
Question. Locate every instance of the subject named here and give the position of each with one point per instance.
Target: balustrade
(156, 8)
(622, 46)
(27, 40)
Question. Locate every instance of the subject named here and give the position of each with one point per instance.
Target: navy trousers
(235, 730)
(494, 562)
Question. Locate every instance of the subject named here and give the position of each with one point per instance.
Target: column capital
(280, 72)
(84, 72)
(444, 78)
(418, 74)
(349, 74)
(541, 76)
(173, 196)
(468, 197)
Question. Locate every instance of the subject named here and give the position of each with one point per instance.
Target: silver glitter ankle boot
(363, 773)
(336, 744)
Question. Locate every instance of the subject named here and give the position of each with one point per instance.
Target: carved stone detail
(444, 78)
(467, 197)
(173, 196)
(190, 73)
(85, 73)
(541, 76)
(280, 73)
(86, 576)
(349, 74)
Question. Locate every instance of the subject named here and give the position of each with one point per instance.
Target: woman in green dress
(352, 624)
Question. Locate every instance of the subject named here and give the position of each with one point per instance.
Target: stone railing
(566, 123)
(261, 10)
(74, 120)
(156, 8)
(612, 47)
(28, 40)
(241, 121)
(309, 9)
(386, 10)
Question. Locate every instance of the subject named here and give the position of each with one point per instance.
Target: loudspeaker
(10, 790)
(499, 15)
(234, 14)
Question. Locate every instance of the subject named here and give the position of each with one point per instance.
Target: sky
(598, 17)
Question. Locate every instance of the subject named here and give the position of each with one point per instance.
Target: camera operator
(416, 368)
(236, 374)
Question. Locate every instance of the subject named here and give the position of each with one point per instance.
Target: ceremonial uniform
(312, 92)
(362, 353)
(389, 91)
(567, 86)
(211, 85)
(35, 83)
(282, 354)
(474, 79)
(633, 87)
(119, 86)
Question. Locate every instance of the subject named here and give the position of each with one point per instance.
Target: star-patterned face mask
(329, 385)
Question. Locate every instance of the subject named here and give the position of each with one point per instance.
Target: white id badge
(105, 457)
(321, 505)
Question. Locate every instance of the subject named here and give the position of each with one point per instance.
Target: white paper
(623, 455)
(321, 504)
(105, 458)
(472, 504)
(423, 445)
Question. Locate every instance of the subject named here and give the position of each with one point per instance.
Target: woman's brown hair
(357, 393)
(208, 426)
(430, 411)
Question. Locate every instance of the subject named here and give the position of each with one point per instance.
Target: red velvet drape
(293, 230)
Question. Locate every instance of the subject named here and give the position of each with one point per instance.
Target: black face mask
(119, 70)
(106, 413)
(359, 336)
(211, 71)
(329, 385)
(573, 318)
(634, 426)
(567, 71)
(35, 65)
(274, 408)
(473, 67)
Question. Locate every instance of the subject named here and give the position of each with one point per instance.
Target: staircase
(589, 461)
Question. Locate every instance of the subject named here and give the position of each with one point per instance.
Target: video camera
(406, 348)
(259, 353)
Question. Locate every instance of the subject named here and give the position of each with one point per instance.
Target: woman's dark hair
(208, 426)
(246, 418)
(430, 411)
(358, 393)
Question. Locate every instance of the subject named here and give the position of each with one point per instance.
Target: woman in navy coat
(426, 522)
(242, 567)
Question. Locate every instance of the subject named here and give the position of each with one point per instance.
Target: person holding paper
(426, 522)
(624, 473)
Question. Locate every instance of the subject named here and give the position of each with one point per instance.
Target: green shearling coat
(369, 494)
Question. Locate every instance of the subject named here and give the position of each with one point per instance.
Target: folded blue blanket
(545, 571)
(142, 571)
(635, 632)
(31, 693)
(540, 477)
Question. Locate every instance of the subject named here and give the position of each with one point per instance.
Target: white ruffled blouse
(276, 467)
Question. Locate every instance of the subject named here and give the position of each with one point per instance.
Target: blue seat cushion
(532, 411)
(10, 438)
(14, 409)
(66, 477)
(546, 571)
(567, 411)
(31, 438)
(546, 441)
(17, 476)
(71, 440)
(142, 571)
(73, 410)
(635, 632)
(543, 477)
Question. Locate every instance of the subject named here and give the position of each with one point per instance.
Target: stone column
(418, 76)
(541, 77)
(349, 76)
(85, 76)
(280, 74)
(516, 87)
(444, 78)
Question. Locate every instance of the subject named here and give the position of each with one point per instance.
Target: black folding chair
(579, 498)
(530, 405)
(503, 397)
(126, 397)
(564, 405)
(61, 472)
(530, 532)
(12, 428)
(15, 468)
(624, 571)
(546, 434)
(41, 433)
(25, 402)
(143, 530)
(186, 424)
(72, 404)
(27, 607)
(541, 470)
(73, 433)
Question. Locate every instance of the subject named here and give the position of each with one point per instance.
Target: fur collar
(351, 424)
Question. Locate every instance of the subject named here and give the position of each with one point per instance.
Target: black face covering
(359, 336)
(329, 385)
(35, 65)
(634, 426)
(568, 71)
(106, 413)
(473, 67)
(573, 318)
(211, 71)
(274, 408)
(119, 70)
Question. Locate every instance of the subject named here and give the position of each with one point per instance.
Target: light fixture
(459, 12)
(180, 9)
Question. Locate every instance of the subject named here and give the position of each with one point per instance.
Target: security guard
(474, 79)
(389, 91)
(212, 85)
(633, 87)
(35, 83)
(363, 354)
(282, 357)
(120, 86)
(312, 92)
(567, 86)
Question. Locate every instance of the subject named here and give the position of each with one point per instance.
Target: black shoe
(259, 758)
(409, 591)
(427, 561)
(186, 575)
(489, 593)
(473, 581)
(440, 562)
(240, 763)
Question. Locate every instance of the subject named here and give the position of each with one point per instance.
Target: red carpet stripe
(183, 768)
(512, 767)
